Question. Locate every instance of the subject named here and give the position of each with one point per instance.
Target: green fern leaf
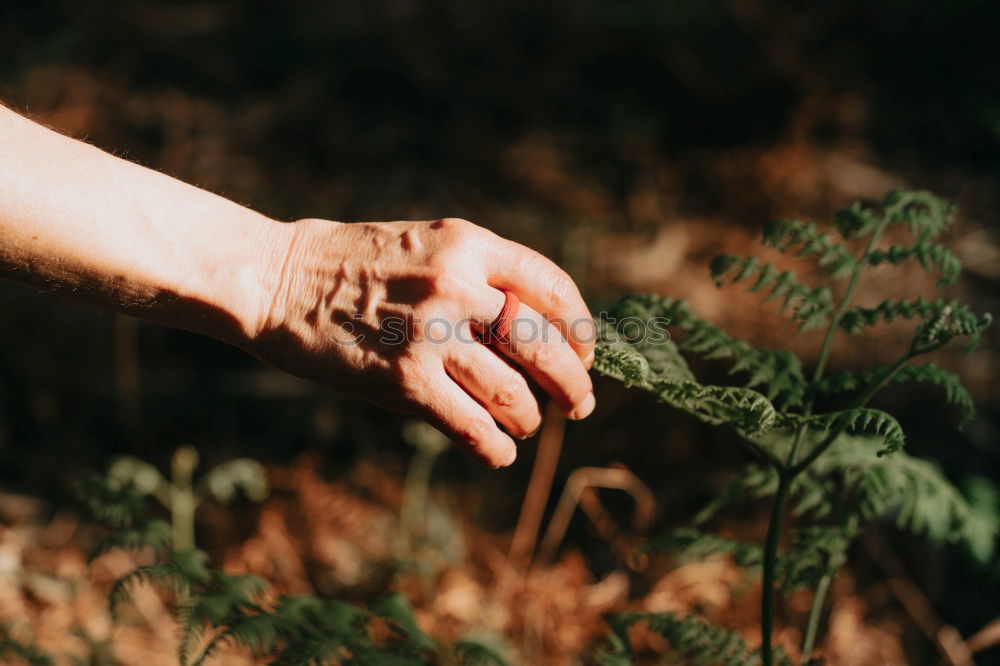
(788, 235)
(752, 482)
(925, 214)
(777, 373)
(809, 306)
(479, 653)
(256, 633)
(932, 257)
(943, 320)
(856, 220)
(745, 409)
(179, 575)
(954, 392)
(851, 480)
(397, 610)
(692, 544)
(815, 552)
(911, 491)
(853, 321)
(222, 603)
(109, 504)
(696, 641)
(155, 534)
(21, 650)
(855, 420)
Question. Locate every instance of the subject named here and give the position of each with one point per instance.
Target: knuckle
(453, 224)
(542, 355)
(560, 288)
(447, 261)
(474, 430)
(447, 283)
(508, 394)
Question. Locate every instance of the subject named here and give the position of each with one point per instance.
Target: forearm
(77, 221)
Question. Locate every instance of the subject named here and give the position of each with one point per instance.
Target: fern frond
(398, 612)
(257, 633)
(641, 363)
(876, 421)
(954, 392)
(950, 321)
(24, 651)
(911, 491)
(695, 640)
(932, 257)
(312, 630)
(155, 534)
(943, 320)
(925, 214)
(854, 320)
(857, 220)
(162, 575)
(477, 653)
(777, 373)
(752, 482)
(808, 305)
(852, 480)
(224, 604)
(815, 552)
(745, 410)
(788, 235)
(693, 544)
(110, 504)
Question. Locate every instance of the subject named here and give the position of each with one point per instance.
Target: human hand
(394, 312)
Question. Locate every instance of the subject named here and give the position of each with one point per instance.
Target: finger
(498, 387)
(463, 420)
(538, 347)
(546, 288)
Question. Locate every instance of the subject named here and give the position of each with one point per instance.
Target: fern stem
(763, 452)
(862, 401)
(770, 565)
(814, 613)
(859, 268)
(831, 332)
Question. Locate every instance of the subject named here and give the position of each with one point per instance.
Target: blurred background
(629, 142)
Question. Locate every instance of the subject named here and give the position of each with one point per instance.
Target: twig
(986, 637)
(947, 639)
(595, 477)
(522, 546)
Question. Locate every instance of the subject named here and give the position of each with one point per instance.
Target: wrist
(291, 251)
(239, 288)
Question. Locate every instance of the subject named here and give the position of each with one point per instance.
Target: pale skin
(394, 312)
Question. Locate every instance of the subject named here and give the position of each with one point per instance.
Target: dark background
(628, 141)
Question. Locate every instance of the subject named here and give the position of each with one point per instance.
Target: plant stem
(770, 565)
(183, 502)
(862, 401)
(792, 469)
(814, 613)
(831, 332)
(859, 268)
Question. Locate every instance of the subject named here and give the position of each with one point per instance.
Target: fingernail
(585, 408)
(589, 361)
(532, 433)
(511, 457)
